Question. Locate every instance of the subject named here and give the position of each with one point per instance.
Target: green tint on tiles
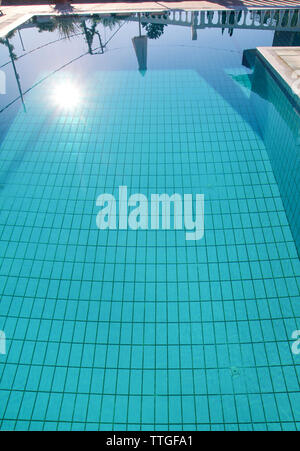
(143, 330)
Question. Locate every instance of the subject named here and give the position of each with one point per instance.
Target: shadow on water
(19, 155)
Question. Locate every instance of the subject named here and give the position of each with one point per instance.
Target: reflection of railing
(287, 20)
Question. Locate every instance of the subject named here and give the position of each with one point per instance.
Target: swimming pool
(124, 329)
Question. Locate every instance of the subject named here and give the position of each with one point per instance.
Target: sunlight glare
(66, 95)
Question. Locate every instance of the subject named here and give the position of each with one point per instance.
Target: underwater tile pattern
(143, 330)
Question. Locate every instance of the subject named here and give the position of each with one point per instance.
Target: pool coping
(276, 59)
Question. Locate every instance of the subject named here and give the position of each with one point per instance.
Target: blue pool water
(142, 329)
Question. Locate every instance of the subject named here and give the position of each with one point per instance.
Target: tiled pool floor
(126, 329)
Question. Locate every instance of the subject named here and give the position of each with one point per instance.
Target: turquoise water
(141, 329)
